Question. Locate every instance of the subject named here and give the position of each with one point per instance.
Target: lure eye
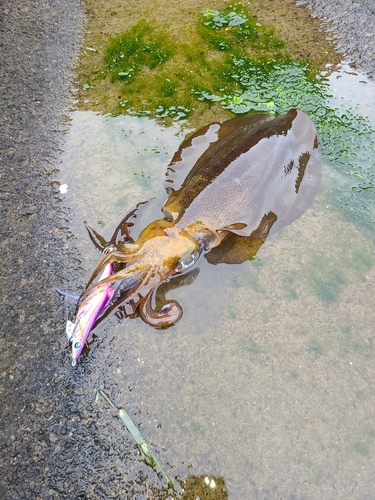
(77, 345)
(185, 264)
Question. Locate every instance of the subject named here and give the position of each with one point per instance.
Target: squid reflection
(229, 186)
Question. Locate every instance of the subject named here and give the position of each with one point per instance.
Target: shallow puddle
(266, 381)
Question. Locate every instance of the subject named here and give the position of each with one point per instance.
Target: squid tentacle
(122, 233)
(111, 258)
(168, 315)
(149, 280)
(140, 298)
(97, 239)
(127, 277)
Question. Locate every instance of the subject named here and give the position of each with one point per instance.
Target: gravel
(353, 26)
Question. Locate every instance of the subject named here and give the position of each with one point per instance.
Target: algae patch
(234, 29)
(140, 47)
(150, 73)
(349, 260)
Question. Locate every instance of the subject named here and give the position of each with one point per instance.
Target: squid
(229, 186)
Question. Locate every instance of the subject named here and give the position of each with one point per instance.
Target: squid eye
(185, 264)
(77, 345)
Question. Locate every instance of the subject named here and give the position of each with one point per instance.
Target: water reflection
(350, 86)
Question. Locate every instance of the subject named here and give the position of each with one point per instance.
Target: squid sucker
(228, 186)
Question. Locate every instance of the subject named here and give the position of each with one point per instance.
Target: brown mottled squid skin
(228, 186)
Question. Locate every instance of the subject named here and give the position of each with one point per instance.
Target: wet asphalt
(38, 43)
(43, 428)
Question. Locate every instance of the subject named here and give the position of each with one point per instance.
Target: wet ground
(55, 441)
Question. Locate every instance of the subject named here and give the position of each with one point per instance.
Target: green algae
(157, 77)
(235, 29)
(328, 283)
(140, 47)
(362, 448)
(315, 348)
(351, 261)
(253, 347)
(146, 450)
(232, 312)
(290, 287)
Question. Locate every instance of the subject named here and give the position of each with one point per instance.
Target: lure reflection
(229, 185)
